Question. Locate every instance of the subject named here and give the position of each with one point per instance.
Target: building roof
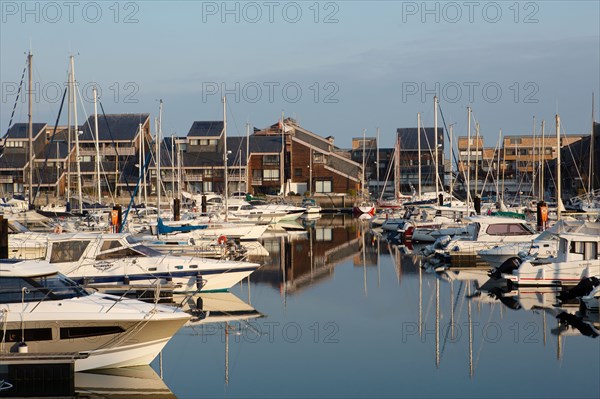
(20, 130)
(409, 140)
(206, 129)
(13, 160)
(51, 151)
(120, 127)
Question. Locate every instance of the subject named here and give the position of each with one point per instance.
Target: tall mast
(158, 158)
(542, 166)
(173, 164)
(533, 174)
(77, 157)
(178, 170)
(282, 156)
(140, 162)
(362, 191)
(468, 158)
(503, 162)
(144, 160)
(30, 129)
(419, 148)
(376, 161)
(559, 205)
(477, 158)
(69, 136)
(397, 167)
(451, 127)
(247, 156)
(225, 154)
(592, 148)
(435, 124)
(97, 144)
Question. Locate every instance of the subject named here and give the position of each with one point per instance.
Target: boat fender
(221, 240)
(58, 229)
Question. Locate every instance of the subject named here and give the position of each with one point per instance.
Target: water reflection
(120, 383)
(442, 332)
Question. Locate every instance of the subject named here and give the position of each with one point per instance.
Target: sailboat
(363, 208)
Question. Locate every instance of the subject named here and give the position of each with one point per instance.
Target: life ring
(221, 240)
(58, 229)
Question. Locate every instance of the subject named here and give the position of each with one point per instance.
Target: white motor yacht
(45, 312)
(577, 258)
(119, 258)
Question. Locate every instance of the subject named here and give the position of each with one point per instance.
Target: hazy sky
(337, 67)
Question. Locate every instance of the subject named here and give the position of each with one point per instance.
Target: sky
(337, 67)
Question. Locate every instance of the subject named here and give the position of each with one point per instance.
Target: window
(323, 186)
(318, 158)
(270, 159)
(515, 141)
(31, 334)
(548, 151)
(193, 142)
(86, 332)
(207, 172)
(271, 174)
(67, 251)
(207, 186)
(298, 172)
(110, 244)
(118, 254)
(203, 141)
(213, 142)
(507, 229)
(324, 234)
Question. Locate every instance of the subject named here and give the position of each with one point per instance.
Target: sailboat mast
(362, 189)
(173, 164)
(225, 154)
(247, 156)
(451, 127)
(376, 162)
(558, 177)
(282, 156)
(592, 148)
(140, 161)
(97, 144)
(144, 170)
(69, 135)
(77, 156)
(178, 170)
(542, 166)
(158, 157)
(476, 159)
(503, 163)
(468, 158)
(30, 128)
(435, 127)
(419, 148)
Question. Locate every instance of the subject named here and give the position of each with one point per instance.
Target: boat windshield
(34, 289)
(547, 235)
(146, 250)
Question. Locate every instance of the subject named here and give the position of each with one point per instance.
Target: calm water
(335, 312)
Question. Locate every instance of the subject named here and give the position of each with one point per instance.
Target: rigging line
(453, 153)
(48, 147)
(116, 153)
(439, 178)
(16, 100)
(97, 144)
(572, 156)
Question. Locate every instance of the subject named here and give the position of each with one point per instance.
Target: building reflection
(300, 259)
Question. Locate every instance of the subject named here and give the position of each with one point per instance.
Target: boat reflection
(215, 307)
(120, 383)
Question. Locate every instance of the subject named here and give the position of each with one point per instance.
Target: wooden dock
(38, 374)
